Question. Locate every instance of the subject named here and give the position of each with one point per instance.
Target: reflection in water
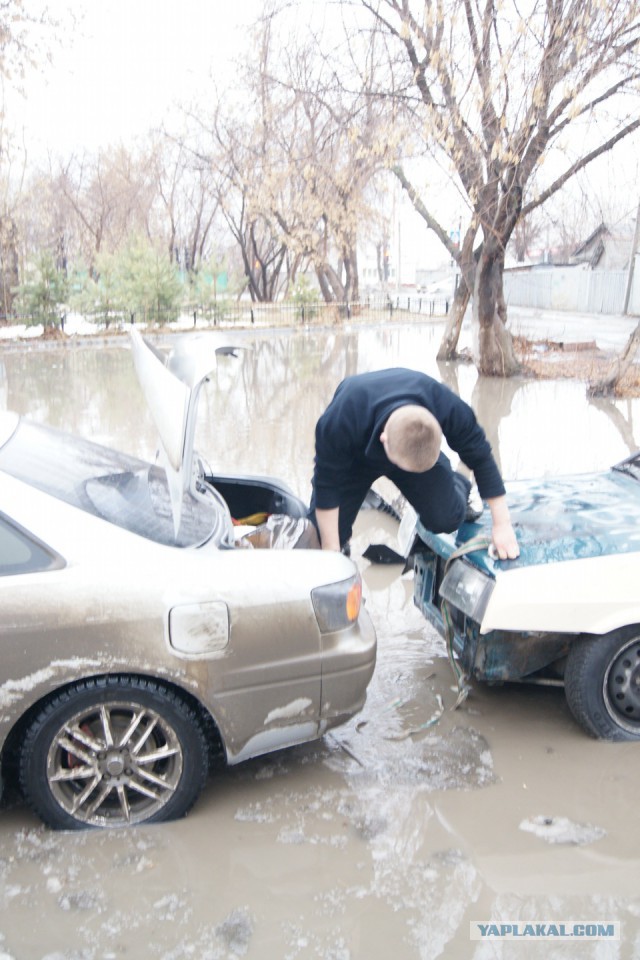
(89, 391)
(259, 410)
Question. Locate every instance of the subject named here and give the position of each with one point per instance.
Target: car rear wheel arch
(602, 683)
(171, 718)
(13, 740)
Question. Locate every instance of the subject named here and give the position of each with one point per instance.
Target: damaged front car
(567, 611)
(145, 630)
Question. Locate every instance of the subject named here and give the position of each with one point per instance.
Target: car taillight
(337, 605)
(354, 599)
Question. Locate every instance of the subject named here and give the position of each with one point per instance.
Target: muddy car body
(567, 611)
(140, 638)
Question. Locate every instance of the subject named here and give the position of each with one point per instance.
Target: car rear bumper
(348, 662)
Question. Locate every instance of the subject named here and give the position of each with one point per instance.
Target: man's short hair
(414, 437)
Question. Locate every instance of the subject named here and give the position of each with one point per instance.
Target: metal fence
(244, 313)
(288, 313)
(571, 288)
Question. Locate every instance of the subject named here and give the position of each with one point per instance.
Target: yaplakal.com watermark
(545, 930)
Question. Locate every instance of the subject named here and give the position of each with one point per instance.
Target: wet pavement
(392, 834)
(609, 332)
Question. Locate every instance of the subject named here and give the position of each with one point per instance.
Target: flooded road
(374, 842)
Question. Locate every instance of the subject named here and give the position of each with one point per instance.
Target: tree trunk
(496, 356)
(449, 343)
(467, 264)
(346, 270)
(607, 384)
(325, 289)
(10, 269)
(330, 284)
(355, 280)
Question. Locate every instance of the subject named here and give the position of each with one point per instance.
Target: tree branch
(420, 208)
(579, 165)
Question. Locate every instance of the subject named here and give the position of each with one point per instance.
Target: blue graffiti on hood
(560, 518)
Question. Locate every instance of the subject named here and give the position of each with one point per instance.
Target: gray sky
(125, 64)
(129, 61)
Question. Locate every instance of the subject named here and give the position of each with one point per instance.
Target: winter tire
(602, 684)
(111, 752)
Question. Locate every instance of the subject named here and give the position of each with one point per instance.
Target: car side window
(22, 553)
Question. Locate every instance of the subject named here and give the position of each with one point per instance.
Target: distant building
(607, 248)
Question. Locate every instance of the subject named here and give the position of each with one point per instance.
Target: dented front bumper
(495, 656)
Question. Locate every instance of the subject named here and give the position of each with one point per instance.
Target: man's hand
(328, 527)
(503, 535)
(504, 540)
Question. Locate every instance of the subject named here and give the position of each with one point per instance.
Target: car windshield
(125, 491)
(631, 466)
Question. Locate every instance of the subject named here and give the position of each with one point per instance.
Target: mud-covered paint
(558, 519)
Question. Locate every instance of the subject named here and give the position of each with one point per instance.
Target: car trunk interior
(248, 496)
(265, 513)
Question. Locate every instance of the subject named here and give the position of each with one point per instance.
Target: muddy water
(370, 843)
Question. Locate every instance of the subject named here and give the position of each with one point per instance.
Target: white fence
(577, 289)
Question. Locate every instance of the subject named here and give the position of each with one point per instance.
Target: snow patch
(293, 709)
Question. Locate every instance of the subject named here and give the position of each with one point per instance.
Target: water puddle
(391, 834)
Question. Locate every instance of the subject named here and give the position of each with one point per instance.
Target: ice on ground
(562, 830)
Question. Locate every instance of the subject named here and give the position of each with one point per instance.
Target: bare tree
(109, 196)
(259, 239)
(342, 143)
(186, 200)
(526, 233)
(496, 87)
(27, 37)
(295, 161)
(337, 137)
(12, 208)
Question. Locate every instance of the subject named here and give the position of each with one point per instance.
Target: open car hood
(561, 518)
(171, 383)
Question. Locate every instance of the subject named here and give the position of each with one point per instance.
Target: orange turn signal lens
(354, 599)
(337, 605)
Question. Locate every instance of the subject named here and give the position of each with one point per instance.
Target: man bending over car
(391, 423)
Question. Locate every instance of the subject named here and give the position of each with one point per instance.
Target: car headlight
(337, 605)
(468, 589)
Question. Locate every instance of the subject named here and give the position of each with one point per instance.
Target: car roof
(8, 425)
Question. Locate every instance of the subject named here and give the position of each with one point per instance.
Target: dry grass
(548, 360)
(53, 333)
